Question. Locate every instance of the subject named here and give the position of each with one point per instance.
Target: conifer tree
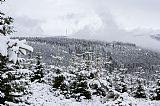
(6, 24)
(79, 86)
(109, 64)
(121, 85)
(139, 91)
(88, 81)
(61, 78)
(11, 85)
(156, 92)
(38, 71)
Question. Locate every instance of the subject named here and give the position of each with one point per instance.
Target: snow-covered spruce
(38, 70)
(12, 82)
(81, 79)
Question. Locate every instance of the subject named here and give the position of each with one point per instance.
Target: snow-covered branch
(12, 47)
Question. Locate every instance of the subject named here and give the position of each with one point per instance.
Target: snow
(13, 47)
(4, 76)
(24, 71)
(42, 95)
(12, 55)
(1, 94)
(3, 45)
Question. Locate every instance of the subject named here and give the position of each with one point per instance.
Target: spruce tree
(109, 64)
(60, 77)
(11, 85)
(79, 87)
(139, 91)
(121, 85)
(6, 75)
(10, 80)
(88, 81)
(38, 71)
(156, 92)
(6, 24)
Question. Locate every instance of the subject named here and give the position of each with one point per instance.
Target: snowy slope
(42, 96)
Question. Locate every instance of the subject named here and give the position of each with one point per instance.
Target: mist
(108, 29)
(108, 20)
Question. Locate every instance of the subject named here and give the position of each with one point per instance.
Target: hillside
(123, 53)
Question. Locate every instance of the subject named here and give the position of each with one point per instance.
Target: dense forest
(78, 68)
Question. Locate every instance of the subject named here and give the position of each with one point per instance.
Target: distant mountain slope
(156, 37)
(123, 53)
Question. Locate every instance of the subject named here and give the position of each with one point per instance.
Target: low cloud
(110, 31)
(108, 20)
(25, 26)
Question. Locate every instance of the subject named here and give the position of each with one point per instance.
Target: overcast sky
(109, 19)
(55, 16)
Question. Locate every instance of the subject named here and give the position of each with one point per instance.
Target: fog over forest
(107, 20)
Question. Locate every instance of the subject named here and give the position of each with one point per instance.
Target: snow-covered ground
(42, 96)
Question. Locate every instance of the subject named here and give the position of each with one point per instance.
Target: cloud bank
(25, 26)
(109, 30)
(109, 20)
